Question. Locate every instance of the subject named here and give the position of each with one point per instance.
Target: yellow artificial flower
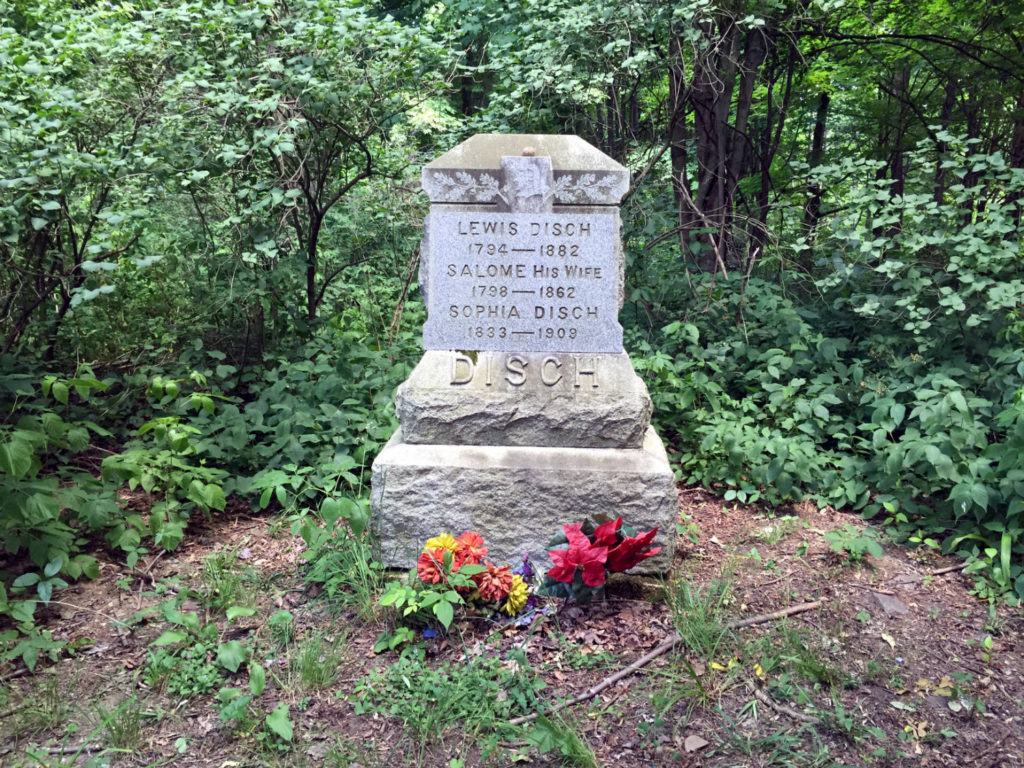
(444, 541)
(517, 596)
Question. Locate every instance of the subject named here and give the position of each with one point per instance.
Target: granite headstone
(524, 413)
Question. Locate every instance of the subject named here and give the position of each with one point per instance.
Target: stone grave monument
(524, 412)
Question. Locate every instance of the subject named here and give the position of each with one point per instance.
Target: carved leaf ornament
(483, 189)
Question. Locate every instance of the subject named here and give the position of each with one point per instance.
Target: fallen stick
(664, 647)
(769, 702)
(947, 569)
(869, 588)
(766, 617)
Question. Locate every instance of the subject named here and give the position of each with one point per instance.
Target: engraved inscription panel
(529, 282)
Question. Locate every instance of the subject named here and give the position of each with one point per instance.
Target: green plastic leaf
(444, 613)
(279, 722)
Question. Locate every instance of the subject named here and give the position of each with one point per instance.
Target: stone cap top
(473, 172)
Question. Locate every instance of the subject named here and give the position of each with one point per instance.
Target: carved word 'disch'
(513, 370)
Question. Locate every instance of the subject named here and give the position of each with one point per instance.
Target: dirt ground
(898, 664)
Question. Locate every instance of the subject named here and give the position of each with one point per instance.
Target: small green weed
(699, 615)
(123, 726)
(811, 663)
(777, 750)
(854, 544)
(558, 736)
(282, 627)
(778, 529)
(842, 722)
(223, 586)
(345, 565)
(184, 672)
(472, 695)
(317, 660)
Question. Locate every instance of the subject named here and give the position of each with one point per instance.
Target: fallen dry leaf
(694, 742)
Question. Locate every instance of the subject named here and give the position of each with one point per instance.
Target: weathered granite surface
(469, 173)
(517, 497)
(535, 281)
(520, 399)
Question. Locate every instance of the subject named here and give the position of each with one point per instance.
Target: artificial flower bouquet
(582, 560)
(453, 572)
(445, 557)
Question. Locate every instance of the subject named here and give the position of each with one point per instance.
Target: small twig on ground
(666, 645)
(766, 617)
(70, 750)
(20, 672)
(774, 581)
(769, 702)
(947, 569)
(869, 588)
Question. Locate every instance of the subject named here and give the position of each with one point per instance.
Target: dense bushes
(299, 432)
(888, 380)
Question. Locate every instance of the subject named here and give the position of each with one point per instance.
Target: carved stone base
(517, 498)
(497, 398)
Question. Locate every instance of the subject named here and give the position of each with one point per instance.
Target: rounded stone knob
(529, 151)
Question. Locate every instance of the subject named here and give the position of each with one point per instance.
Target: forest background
(209, 230)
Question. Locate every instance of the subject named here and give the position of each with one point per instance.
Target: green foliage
(418, 602)
(557, 736)
(883, 382)
(317, 659)
(224, 588)
(189, 660)
(474, 695)
(237, 708)
(854, 544)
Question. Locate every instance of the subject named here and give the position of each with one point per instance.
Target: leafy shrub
(887, 380)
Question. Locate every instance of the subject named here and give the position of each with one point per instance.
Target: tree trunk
(677, 145)
(812, 212)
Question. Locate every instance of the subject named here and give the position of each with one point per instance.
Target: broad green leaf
(26, 580)
(235, 611)
(444, 613)
(279, 722)
(257, 679)
(231, 655)
(170, 637)
(60, 392)
(16, 458)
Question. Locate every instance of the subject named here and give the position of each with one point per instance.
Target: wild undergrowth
(888, 378)
(297, 434)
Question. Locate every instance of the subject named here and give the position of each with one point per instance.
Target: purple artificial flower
(526, 569)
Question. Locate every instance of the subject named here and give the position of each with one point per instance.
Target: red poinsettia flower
(495, 582)
(606, 535)
(430, 566)
(580, 554)
(469, 548)
(631, 551)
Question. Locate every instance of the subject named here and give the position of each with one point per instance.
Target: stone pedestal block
(517, 497)
(497, 398)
